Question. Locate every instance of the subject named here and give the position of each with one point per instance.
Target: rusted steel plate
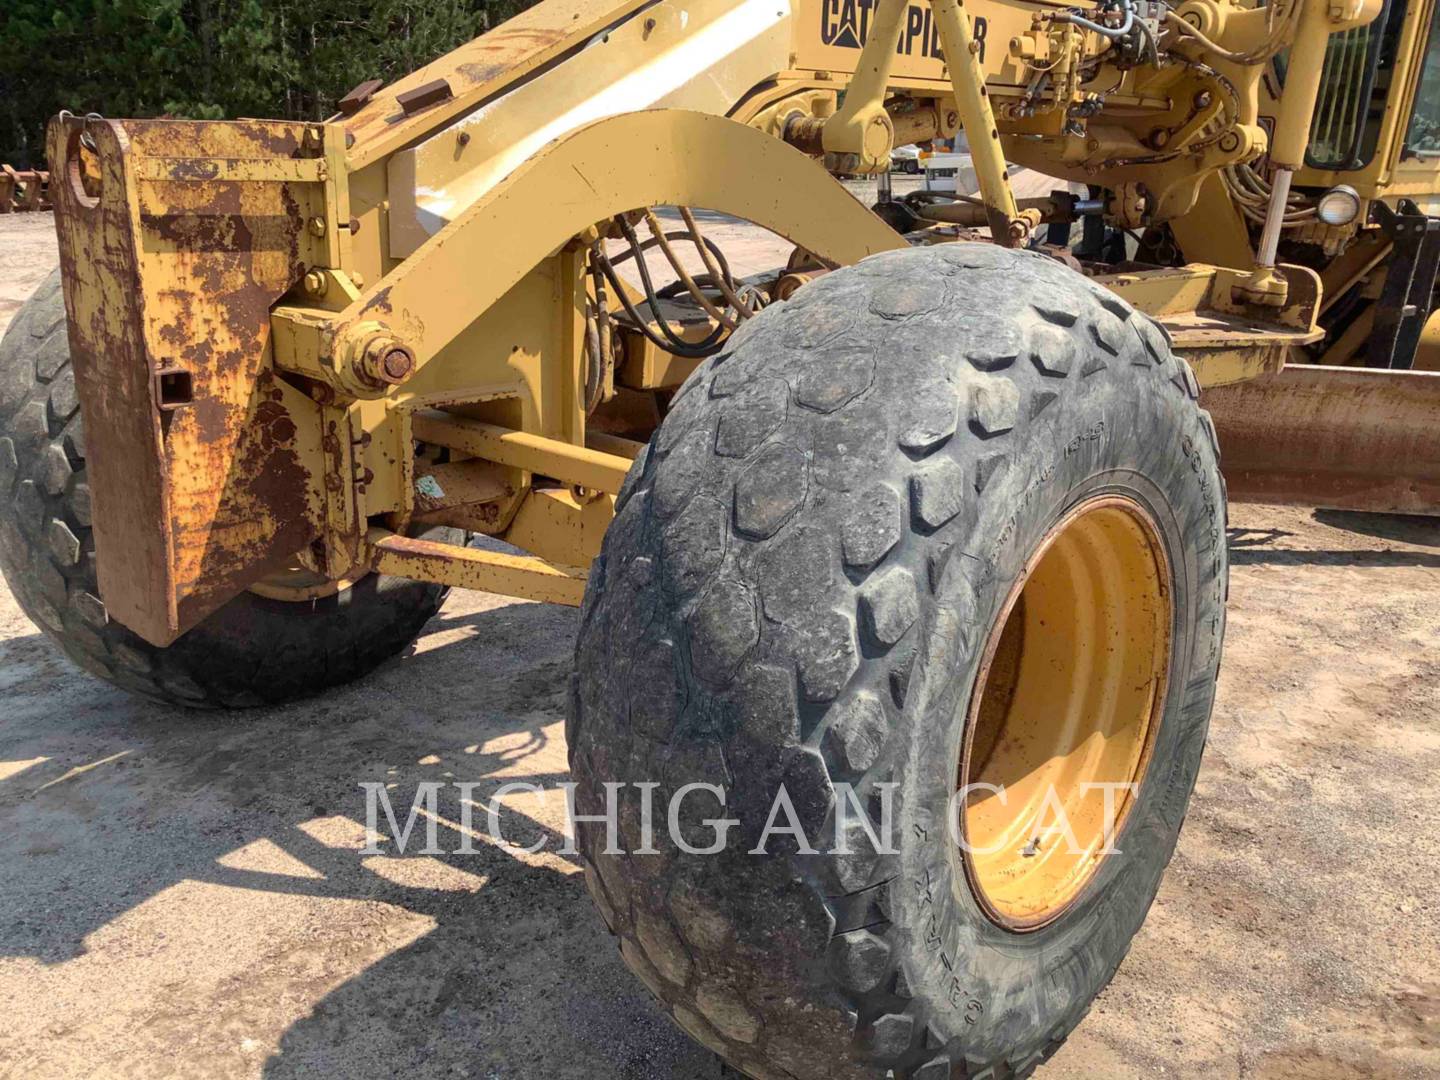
(203, 463)
(356, 99)
(424, 96)
(1347, 438)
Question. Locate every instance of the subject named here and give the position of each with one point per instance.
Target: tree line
(211, 59)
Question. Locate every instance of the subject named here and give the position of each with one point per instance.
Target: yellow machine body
(298, 342)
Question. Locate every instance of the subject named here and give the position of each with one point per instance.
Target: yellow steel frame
(423, 275)
(609, 167)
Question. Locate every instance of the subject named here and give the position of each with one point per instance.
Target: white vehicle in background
(947, 168)
(906, 159)
(949, 172)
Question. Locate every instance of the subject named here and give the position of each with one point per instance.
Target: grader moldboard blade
(1340, 437)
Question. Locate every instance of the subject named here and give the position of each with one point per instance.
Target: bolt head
(397, 364)
(384, 362)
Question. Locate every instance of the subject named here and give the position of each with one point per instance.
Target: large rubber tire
(804, 570)
(252, 651)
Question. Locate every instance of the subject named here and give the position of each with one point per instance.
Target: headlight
(1339, 206)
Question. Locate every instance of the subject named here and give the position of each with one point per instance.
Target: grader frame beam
(268, 318)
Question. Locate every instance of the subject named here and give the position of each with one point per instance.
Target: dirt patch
(27, 254)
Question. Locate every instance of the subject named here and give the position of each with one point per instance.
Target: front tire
(256, 650)
(809, 568)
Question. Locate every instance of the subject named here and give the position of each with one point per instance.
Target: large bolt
(398, 364)
(384, 362)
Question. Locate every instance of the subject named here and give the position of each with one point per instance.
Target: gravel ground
(184, 894)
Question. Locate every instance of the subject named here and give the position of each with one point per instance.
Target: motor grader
(932, 508)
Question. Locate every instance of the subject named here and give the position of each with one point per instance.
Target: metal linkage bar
(523, 576)
(967, 75)
(860, 135)
(578, 465)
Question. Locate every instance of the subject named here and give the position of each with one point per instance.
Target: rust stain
(379, 303)
(195, 170)
(476, 74)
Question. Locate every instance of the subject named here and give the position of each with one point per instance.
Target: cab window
(1423, 137)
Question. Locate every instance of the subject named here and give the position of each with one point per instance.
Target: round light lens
(1339, 206)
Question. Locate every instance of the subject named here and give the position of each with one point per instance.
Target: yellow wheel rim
(1066, 707)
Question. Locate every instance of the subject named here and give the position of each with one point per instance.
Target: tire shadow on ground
(1252, 547)
(136, 832)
